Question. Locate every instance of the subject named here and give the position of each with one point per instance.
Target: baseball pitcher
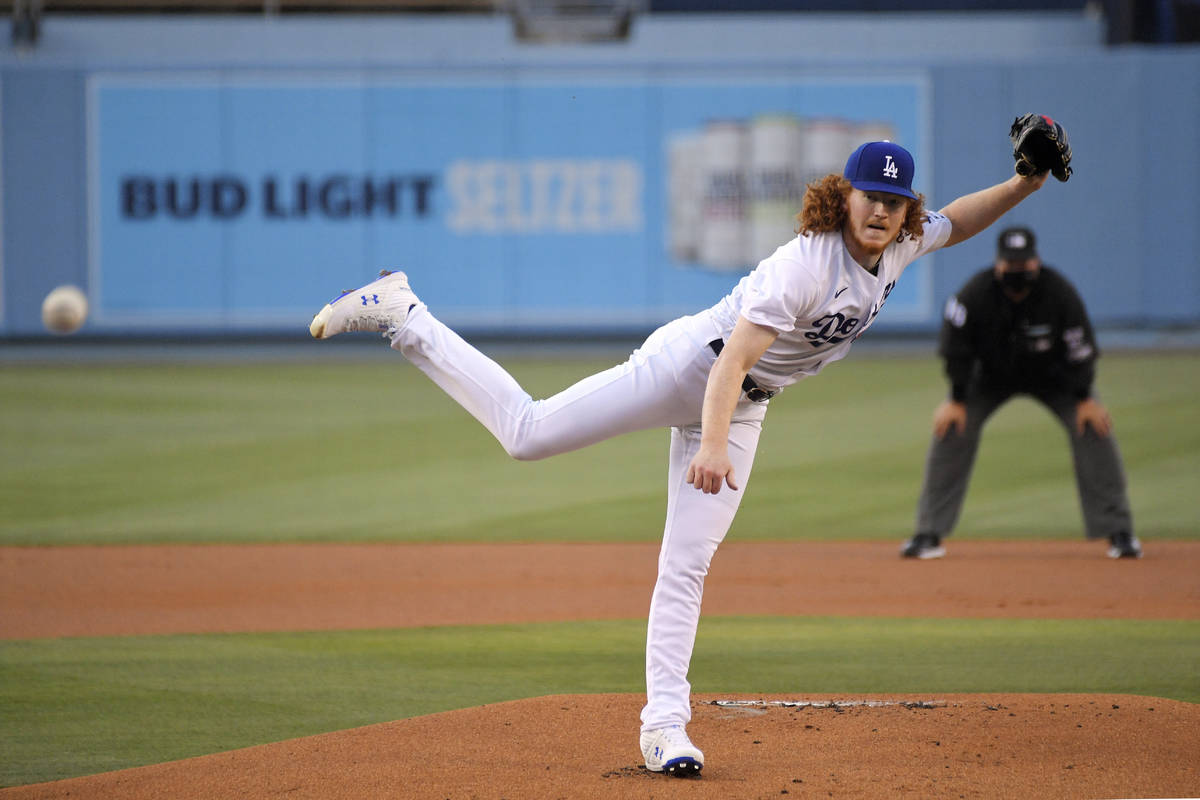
(709, 377)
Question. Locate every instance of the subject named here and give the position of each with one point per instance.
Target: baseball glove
(1040, 144)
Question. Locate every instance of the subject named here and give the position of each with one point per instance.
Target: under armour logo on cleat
(374, 299)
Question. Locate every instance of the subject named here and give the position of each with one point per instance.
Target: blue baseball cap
(881, 167)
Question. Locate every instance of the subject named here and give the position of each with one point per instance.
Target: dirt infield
(115, 591)
(1077, 746)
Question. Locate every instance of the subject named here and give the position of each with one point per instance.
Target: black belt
(754, 392)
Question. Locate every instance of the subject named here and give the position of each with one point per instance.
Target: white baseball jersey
(818, 299)
(810, 290)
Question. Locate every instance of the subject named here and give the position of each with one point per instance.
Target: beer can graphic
(685, 195)
(826, 147)
(735, 186)
(776, 185)
(873, 131)
(723, 175)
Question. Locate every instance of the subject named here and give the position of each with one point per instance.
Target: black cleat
(923, 545)
(1124, 545)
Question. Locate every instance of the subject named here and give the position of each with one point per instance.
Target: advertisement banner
(246, 201)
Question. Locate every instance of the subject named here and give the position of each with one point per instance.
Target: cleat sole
(317, 326)
(683, 768)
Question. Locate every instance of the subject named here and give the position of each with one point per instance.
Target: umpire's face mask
(1018, 281)
(1018, 276)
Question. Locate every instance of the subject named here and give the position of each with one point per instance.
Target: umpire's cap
(1016, 244)
(881, 167)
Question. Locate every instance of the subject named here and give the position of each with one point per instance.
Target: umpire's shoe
(670, 750)
(382, 305)
(1124, 545)
(923, 545)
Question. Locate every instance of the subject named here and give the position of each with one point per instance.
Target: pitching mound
(1062, 746)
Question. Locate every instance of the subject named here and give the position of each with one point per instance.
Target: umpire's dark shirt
(1042, 344)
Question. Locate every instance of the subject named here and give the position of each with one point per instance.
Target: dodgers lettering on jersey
(818, 299)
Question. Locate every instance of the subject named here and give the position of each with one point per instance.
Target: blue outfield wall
(224, 175)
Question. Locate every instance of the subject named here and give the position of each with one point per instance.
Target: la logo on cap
(1016, 241)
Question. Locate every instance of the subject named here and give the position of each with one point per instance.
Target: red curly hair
(824, 209)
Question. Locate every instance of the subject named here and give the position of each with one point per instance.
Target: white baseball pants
(660, 385)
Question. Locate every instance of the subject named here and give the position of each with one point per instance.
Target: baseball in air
(64, 309)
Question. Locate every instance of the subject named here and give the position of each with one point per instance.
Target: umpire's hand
(950, 415)
(1089, 412)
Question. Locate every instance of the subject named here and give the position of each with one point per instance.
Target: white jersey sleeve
(777, 293)
(937, 231)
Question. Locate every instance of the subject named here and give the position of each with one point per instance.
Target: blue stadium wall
(227, 174)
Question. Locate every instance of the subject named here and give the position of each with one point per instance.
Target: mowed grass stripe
(80, 706)
(371, 451)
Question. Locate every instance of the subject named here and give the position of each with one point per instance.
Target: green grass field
(366, 450)
(369, 450)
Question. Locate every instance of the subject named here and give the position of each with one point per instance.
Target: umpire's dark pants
(1099, 475)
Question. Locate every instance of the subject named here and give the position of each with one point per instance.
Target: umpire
(1020, 328)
